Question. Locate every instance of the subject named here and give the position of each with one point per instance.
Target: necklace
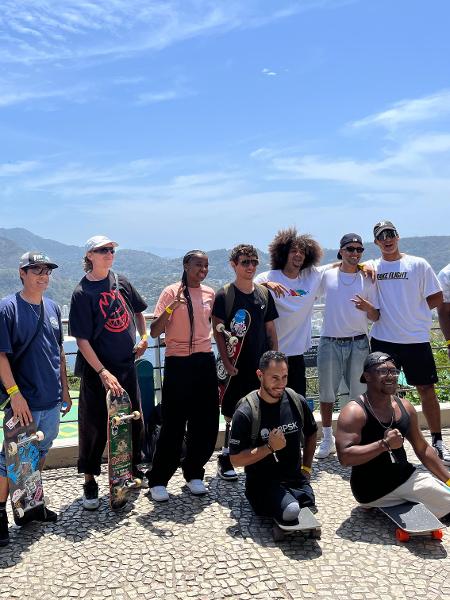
(32, 306)
(372, 412)
(352, 280)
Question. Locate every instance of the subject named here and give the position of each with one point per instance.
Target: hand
(394, 438)
(179, 300)
(230, 369)
(277, 439)
(110, 382)
(368, 271)
(67, 402)
(20, 409)
(362, 304)
(277, 288)
(140, 348)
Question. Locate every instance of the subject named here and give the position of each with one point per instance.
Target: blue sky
(205, 123)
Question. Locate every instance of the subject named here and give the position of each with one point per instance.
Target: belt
(347, 339)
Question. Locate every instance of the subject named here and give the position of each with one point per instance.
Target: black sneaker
(4, 533)
(46, 515)
(225, 469)
(90, 496)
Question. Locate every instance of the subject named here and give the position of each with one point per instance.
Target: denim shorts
(341, 359)
(46, 421)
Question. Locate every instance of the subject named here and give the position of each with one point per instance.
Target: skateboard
(144, 370)
(120, 452)
(234, 340)
(22, 467)
(306, 522)
(414, 519)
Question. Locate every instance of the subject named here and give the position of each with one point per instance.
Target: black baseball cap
(373, 359)
(34, 258)
(383, 226)
(348, 238)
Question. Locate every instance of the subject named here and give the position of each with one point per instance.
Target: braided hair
(184, 282)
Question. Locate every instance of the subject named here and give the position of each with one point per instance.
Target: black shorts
(416, 360)
(240, 385)
(270, 498)
(297, 374)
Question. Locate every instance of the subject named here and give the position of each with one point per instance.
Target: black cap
(383, 226)
(348, 238)
(34, 258)
(375, 358)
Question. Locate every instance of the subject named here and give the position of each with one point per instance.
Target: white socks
(327, 433)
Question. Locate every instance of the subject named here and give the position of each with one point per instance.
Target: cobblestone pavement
(214, 547)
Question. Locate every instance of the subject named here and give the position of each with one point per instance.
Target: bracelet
(168, 310)
(12, 390)
(270, 447)
(447, 482)
(386, 445)
(100, 371)
(144, 337)
(306, 469)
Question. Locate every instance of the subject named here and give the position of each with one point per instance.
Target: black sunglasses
(104, 250)
(246, 262)
(387, 234)
(352, 249)
(40, 270)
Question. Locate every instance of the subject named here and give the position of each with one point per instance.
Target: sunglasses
(389, 234)
(40, 270)
(352, 249)
(246, 262)
(384, 372)
(104, 250)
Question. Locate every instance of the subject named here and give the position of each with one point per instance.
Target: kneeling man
(266, 438)
(369, 438)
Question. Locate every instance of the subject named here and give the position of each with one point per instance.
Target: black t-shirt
(283, 414)
(255, 342)
(89, 306)
(380, 476)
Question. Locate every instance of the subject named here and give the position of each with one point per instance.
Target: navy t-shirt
(90, 305)
(37, 372)
(282, 414)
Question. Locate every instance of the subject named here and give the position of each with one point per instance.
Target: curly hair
(285, 240)
(87, 264)
(242, 250)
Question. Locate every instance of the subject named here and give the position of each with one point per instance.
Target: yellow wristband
(447, 482)
(12, 390)
(448, 343)
(169, 310)
(144, 337)
(306, 469)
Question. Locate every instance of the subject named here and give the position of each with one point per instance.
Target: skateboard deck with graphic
(306, 523)
(120, 449)
(234, 340)
(413, 519)
(21, 444)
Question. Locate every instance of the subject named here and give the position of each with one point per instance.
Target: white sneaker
(197, 487)
(326, 448)
(159, 493)
(442, 451)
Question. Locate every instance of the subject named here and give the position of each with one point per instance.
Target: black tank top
(379, 476)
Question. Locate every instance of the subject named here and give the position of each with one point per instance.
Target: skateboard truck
(232, 339)
(118, 419)
(14, 446)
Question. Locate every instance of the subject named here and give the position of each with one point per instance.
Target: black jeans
(190, 403)
(270, 498)
(93, 418)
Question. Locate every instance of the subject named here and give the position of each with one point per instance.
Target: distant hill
(150, 272)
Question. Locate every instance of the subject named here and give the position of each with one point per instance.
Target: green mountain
(151, 273)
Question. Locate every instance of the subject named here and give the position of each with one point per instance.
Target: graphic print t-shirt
(255, 342)
(294, 323)
(403, 286)
(90, 304)
(283, 414)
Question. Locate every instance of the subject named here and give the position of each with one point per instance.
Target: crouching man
(370, 435)
(266, 438)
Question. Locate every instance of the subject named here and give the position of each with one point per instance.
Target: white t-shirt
(403, 287)
(294, 311)
(341, 318)
(444, 280)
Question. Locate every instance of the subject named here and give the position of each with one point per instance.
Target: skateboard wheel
(137, 482)
(136, 414)
(116, 421)
(12, 448)
(20, 513)
(39, 436)
(402, 536)
(220, 327)
(233, 340)
(437, 535)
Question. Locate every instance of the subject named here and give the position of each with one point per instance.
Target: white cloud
(269, 73)
(155, 97)
(17, 168)
(17, 96)
(409, 111)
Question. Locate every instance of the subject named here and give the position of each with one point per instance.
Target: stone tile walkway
(214, 547)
